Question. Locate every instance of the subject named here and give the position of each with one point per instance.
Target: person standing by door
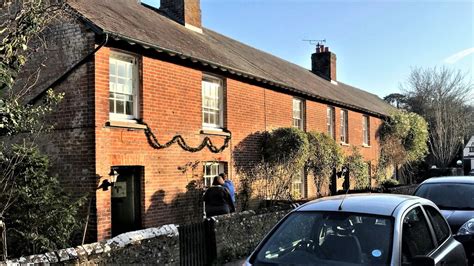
(217, 199)
(230, 187)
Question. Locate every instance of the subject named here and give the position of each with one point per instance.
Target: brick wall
(171, 104)
(70, 147)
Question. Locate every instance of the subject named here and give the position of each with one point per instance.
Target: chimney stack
(323, 63)
(186, 12)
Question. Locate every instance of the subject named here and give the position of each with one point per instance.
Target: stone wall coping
(83, 252)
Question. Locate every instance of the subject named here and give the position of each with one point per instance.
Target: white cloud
(458, 56)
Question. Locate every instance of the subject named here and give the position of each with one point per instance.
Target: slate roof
(134, 22)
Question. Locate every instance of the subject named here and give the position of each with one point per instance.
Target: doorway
(126, 199)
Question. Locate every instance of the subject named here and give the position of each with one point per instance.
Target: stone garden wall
(405, 190)
(238, 234)
(159, 246)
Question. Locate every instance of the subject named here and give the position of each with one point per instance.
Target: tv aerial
(317, 43)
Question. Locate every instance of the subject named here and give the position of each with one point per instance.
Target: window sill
(125, 124)
(366, 146)
(344, 144)
(214, 131)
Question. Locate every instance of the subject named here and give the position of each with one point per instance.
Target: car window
(440, 226)
(448, 196)
(416, 236)
(334, 238)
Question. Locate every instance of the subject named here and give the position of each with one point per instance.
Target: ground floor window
(211, 169)
(297, 185)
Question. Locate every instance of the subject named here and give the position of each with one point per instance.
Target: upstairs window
(330, 121)
(366, 130)
(123, 87)
(212, 103)
(471, 149)
(298, 113)
(344, 127)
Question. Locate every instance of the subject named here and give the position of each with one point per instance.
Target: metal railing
(197, 243)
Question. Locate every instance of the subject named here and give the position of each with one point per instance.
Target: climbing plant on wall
(324, 156)
(286, 145)
(358, 169)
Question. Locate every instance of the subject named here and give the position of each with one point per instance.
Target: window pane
(111, 106)
(113, 67)
(121, 70)
(120, 107)
(129, 87)
(416, 236)
(129, 108)
(439, 224)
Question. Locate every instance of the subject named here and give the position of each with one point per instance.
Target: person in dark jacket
(217, 199)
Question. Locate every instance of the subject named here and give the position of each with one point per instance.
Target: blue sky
(377, 43)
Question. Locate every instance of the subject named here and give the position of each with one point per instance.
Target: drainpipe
(84, 60)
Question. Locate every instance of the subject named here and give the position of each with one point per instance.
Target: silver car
(361, 229)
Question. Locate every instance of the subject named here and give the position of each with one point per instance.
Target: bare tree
(443, 97)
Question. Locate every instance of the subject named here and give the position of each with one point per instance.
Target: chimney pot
(326, 49)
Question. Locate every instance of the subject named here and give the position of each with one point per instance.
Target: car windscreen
(449, 196)
(328, 238)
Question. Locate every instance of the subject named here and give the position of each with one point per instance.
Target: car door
(417, 237)
(448, 251)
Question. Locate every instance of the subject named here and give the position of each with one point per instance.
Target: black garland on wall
(153, 141)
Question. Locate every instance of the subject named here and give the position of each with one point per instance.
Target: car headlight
(467, 228)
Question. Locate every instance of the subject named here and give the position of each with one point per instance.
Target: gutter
(84, 60)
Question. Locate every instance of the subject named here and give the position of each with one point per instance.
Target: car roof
(378, 204)
(450, 179)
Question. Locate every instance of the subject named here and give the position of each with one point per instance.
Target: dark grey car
(363, 229)
(454, 196)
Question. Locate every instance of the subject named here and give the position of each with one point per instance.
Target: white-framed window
(123, 87)
(212, 102)
(330, 121)
(366, 130)
(298, 113)
(210, 170)
(297, 185)
(344, 127)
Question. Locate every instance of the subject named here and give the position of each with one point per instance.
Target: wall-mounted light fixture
(109, 183)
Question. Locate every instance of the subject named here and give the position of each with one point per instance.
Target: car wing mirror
(423, 261)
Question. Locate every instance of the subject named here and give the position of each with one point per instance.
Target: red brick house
(122, 64)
